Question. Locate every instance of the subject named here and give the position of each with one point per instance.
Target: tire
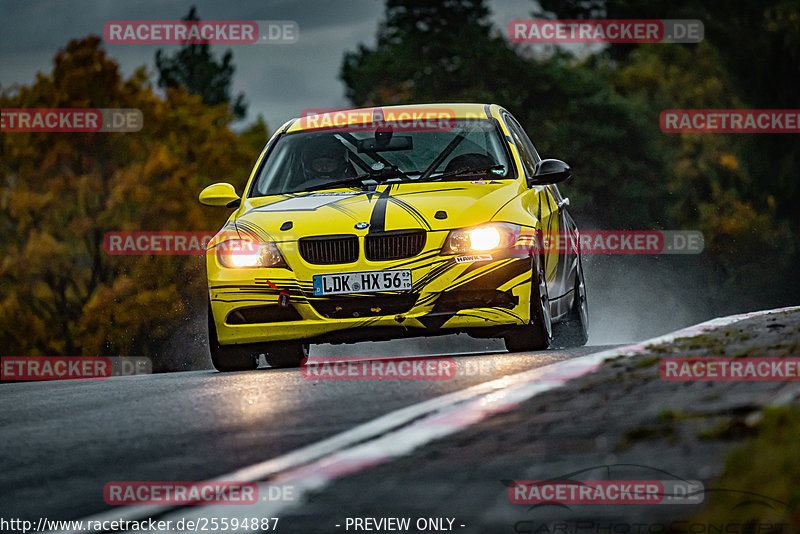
(573, 331)
(539, 333)
(281, 354)
(228, 357)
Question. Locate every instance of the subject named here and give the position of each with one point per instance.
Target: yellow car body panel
(286, 219)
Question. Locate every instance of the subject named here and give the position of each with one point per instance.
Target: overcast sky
(279, 81)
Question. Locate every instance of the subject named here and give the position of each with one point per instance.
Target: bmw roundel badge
(362, 226)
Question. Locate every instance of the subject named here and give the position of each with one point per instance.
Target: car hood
(383, 208)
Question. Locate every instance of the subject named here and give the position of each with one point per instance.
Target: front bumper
(446, 297)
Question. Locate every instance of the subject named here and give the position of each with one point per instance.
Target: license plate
(363, 282)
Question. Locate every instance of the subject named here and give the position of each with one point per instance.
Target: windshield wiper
(388, 174)
(357, 182)
(380, 171)
(379, 177)
(469, 172)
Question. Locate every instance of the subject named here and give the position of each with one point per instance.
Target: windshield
(357, 156)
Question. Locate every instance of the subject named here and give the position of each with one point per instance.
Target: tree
(194, 68)
(446, 51)
(757, 49)
(60, 292)
(601, 114)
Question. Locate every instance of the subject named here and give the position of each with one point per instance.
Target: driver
(326, 158)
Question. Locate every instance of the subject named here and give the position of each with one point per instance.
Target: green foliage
(740, 189)
(445, 51)
(195, 69)
(427, 50)
(762, 473)
(60, 293)
(601, 114)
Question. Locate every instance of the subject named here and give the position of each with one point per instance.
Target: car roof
(320, 118)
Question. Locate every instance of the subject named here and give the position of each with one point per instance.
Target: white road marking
(400, 432)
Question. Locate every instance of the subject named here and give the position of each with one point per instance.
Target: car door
(550, 210)
(568, 257)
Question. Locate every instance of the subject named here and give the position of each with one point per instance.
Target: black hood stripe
(411, 210)
(377, 221)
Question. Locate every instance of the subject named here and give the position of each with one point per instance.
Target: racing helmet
(325, 157)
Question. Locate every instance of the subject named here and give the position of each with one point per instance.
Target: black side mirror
(550, 171)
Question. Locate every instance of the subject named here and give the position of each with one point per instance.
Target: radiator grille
(394, 245)
(328, 250)
(263, 314)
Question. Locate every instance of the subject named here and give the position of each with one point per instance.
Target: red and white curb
(400, 432)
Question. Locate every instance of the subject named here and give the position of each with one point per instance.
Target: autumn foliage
(60, 193)
(60, 293)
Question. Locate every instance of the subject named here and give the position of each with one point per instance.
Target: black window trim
(511, 175)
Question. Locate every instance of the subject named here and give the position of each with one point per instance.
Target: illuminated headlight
(244, 253)
(483, 238)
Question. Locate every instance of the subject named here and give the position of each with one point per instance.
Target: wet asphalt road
(62, 441)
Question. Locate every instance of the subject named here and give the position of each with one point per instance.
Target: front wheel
(573, 331)
(228, 357)
(538, 334)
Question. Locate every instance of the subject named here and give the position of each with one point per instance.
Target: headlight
(483, 238)
(244, 253)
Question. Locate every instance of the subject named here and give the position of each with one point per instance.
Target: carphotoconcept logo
(596, 485)
(76, 120)
(606, 31)
(201, 32)
(730, 121)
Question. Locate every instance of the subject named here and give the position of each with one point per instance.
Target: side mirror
(550, 171)
(223, 195)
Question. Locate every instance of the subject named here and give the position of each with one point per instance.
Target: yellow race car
(390, 222)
